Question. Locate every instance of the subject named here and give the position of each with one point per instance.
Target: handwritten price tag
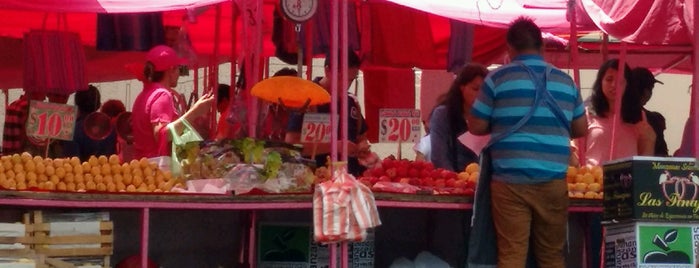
(399, 125)
(51, 120)
(315, 128)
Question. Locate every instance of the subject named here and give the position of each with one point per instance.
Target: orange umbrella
(290, 91)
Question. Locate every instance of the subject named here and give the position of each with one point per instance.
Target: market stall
(453, 196)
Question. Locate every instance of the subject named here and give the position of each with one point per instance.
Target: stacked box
(289, 245)
(651, 189)
(70, 239)
(651, 245)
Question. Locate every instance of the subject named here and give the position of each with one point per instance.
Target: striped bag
(343, 209)
(54, 62)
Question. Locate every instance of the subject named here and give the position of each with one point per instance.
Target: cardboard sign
(315, 128)
(651, 245)
(291, 245)
(399, 125)
(51, 120)
(651, 188)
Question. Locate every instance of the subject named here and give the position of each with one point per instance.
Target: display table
(145, 202)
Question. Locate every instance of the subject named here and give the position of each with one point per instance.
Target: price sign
(315, 128)
(51, 120)
(399, 125)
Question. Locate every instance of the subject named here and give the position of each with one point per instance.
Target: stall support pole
(251, 242)
(575, 59)
(695, 81)
(145, 221)
(334, 124)
(344, 51)
(617, 100)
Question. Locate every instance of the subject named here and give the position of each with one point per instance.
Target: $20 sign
(399, 125)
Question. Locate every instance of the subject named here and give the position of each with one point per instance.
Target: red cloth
(644, 22)
(14, 133)
(386, 88)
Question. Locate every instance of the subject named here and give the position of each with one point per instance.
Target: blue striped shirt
(540, 150)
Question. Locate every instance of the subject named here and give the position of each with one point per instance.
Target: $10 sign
(399, 125)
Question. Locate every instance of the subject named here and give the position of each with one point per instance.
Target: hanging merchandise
(343, 209)
(129, 32)
(54, 62)
(183, 46)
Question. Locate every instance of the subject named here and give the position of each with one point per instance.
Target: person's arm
(442, 155)
(646, 137)
(578, 128)
(479, 118)
(478, 126)
(199, 109)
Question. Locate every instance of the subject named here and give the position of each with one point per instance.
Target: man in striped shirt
(529, 190)
(14, 138)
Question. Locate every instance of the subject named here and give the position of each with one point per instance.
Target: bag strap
(540, 85)
(546, 96)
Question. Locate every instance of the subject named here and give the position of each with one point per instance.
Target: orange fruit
(61, 186)
(93, 161)
(473, 167)
(114, 159)
(102, 159)
(90, 186)
(111, 187)
(131, 188)
(137, 181)
(101, 187)
(71, 186)
(50, 170)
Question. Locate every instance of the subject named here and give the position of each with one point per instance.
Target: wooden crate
(26, 239)
(44, 245)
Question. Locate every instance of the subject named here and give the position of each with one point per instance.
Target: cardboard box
(289, 245)
(651, 245)
(651, 189)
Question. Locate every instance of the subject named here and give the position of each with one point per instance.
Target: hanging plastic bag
(343, 209)
(185, 146)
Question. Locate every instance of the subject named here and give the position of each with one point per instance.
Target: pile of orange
(585, 182)
(106, 174)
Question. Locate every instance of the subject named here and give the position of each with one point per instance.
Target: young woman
(634, 136)
(159, 104)
(448, 120)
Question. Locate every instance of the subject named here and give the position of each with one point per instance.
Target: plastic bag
(343, 209)
(184, 146)
(429, 260)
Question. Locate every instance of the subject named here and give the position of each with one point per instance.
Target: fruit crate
(56, 247)
(15, 235)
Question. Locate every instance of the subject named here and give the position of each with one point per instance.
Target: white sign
(399, 125)
(315, 128)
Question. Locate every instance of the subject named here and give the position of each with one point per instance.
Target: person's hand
(351, 148)
(363, 149)
(203, 104)
(646, 137)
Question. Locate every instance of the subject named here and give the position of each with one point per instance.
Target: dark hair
(353, 60)
(224, 92)
(87, 100)
(151, 74)
(643, 79)
(286, 71)
(112, 108)
(523, 34)
(453, 100)
(630, 102)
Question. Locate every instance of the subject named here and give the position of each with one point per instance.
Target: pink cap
(164, 58)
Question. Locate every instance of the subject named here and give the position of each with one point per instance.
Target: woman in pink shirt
(159, 104)
(634, 136)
